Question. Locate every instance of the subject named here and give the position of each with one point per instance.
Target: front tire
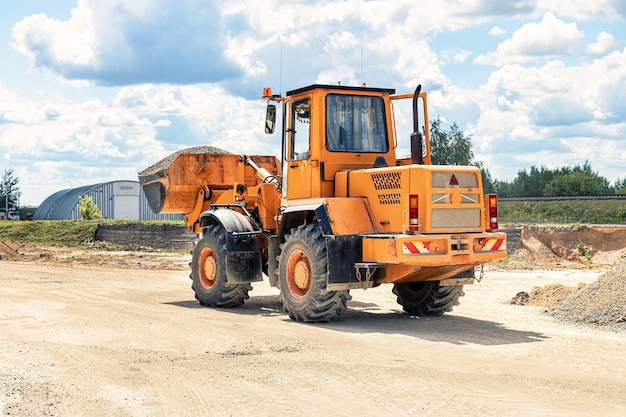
(208, 271)
(303, 275)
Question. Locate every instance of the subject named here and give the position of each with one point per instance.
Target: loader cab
(327, 129)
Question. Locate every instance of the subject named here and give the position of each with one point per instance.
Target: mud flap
(272, 262)
(243, 267)
(343, 253)
(243, 259)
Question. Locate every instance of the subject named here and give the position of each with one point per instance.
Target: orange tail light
(492, 209)
(413, 212)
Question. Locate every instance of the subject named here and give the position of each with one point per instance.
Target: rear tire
(427, 298)
(303, 275)
(208, 271)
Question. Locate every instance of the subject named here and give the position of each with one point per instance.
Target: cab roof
(340, 87)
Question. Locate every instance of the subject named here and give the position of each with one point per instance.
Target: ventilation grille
(385, 199)
(386, 181)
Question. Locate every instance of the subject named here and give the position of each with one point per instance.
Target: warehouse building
(124, 200)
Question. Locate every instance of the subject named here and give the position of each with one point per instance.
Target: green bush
(88, 209)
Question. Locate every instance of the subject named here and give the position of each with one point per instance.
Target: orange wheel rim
(207, 268)
(298, 274)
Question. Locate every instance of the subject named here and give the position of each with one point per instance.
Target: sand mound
(601, 303)
(167, 161)
(548, 296)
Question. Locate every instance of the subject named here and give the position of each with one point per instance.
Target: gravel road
(86, 340)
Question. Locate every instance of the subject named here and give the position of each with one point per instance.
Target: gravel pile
(548, 296)
(601, 303)
(167, 161)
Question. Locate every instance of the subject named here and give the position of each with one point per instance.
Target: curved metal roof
(45, 207)
(59, 205)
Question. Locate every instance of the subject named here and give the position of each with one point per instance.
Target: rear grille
(386, 181)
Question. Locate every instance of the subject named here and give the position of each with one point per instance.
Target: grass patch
(79, 234)
(563, 211)
(49, 232)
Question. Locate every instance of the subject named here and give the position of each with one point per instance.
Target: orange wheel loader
(340, 211)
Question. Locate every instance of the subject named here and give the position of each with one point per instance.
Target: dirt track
(80, 340)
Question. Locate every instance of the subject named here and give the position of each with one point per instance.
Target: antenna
(362, 83)
(280, 71)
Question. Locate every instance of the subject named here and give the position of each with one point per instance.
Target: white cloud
(458, 56)
(339, 41)
(497, 31)
(52, 43)
(162, 123)
(551, 37)
(585, 9)
(119, 43)
(553, 115)
(604, 43)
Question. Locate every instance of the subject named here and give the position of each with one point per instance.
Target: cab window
(355, 124)
(299, 129)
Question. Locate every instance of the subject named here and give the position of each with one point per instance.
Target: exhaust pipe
(417, 142)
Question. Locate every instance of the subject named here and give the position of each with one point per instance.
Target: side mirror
(270, 118)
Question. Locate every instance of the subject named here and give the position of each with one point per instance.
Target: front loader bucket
(155, 192)
(173, 184)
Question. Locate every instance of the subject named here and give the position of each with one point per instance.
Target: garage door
(126, 207)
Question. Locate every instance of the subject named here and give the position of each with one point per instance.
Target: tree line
(453, 147)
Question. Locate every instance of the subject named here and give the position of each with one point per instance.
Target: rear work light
(413, 212)
(492, 210)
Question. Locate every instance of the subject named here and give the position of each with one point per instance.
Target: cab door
(297, 164)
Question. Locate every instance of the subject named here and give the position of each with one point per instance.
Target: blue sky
(95, 90)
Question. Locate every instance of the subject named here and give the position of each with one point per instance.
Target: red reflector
(453, 181)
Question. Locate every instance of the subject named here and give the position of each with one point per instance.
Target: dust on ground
(118, 333)
(98, 255)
